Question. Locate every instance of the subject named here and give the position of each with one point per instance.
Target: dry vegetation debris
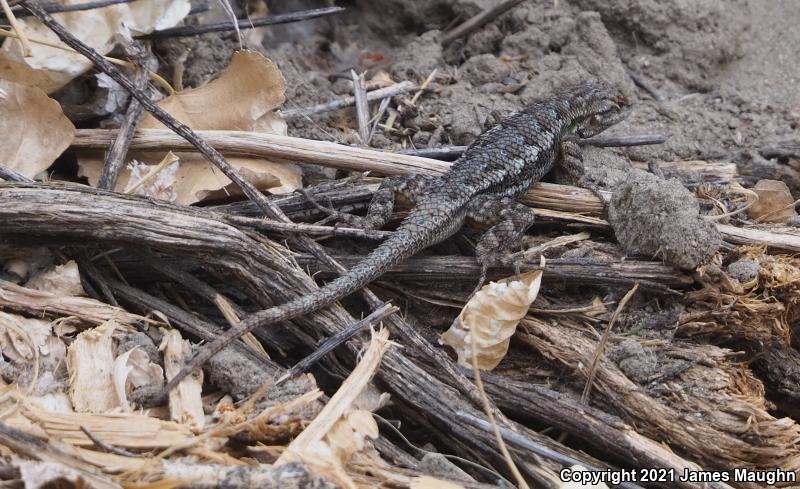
(106, 292)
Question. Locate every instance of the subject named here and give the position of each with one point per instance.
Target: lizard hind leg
(509, 220)
(410, 187)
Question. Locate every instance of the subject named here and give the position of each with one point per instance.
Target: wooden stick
(644, 85)
(183, 31)
(451, 153)
(58, 8)
(551, 196)
(523, 443)
(341, 103)
(7, 173)
(264, 145)
(776, 241)
(479, 21)
(309, 229)
(12, 19)
(332, 342)
(261, 145)
(465, 268)
(620, 141)
(22, 443)
(362, 106)
(601, 346)
(115, 157)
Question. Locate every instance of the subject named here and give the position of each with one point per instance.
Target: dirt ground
(726, 74)
(718, 79)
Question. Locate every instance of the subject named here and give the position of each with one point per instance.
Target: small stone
(744, 270)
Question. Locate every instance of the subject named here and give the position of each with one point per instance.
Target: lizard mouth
(602, 120)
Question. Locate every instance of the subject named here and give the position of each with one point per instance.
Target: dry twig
(115, 157)
(227, 25)
(362, 106)
(55, 8)
(479, 20)
(23, 39)
(601, 346)
(343, 102)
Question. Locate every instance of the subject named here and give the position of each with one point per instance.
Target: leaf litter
(75, 386)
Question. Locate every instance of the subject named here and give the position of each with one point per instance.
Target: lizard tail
(406, 241)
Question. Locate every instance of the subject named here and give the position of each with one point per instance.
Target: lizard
(482, 186)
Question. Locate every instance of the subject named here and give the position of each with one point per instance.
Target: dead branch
(463, 268)
(115, 156)
(23, 443)
(58, 8)
(10, 175)
(183, 31)
(362, 106)
(662, 417)
(603, 431)
(451, 153)
(478, 21)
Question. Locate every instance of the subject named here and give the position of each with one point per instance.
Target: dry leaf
(112, 98)
(774, 202)
(57, 402)
(90, 362)
(185, 402)
(21, 337)
(62, 280)
(50, 68)
(493, 314)
(134, 369)
(34, 129)
(381, 79)
(242, 98)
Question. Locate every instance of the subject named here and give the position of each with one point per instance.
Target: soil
(726, 74)
(653, 217)
(718, 95)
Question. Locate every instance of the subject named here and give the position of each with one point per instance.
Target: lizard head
(601, 107)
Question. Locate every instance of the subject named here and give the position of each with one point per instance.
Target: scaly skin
(501, 165)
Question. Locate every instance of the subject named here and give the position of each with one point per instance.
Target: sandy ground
(769, 70)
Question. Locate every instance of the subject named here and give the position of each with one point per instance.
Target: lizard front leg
(571, 163)
(408, 187)
(508, 220)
